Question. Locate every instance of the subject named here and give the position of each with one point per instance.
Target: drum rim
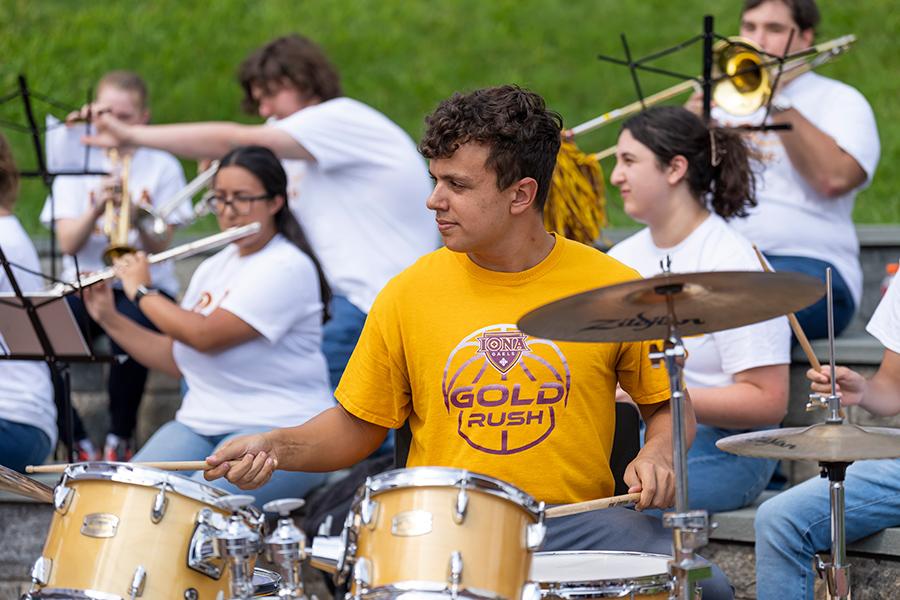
(149, 477)
(397, 589)
(414, 477)
(71, 594)
(659, 582)
(269, 586)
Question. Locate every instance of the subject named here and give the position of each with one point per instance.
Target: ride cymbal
(703, 303)
(823, 442)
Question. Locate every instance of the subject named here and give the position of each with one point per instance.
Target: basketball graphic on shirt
(505, 389)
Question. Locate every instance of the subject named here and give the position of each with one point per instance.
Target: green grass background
(404, 56)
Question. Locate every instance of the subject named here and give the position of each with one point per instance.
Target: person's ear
(276, 204)
(677, 169)
(524, 193)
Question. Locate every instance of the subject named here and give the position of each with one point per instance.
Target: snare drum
(584, 575)
(119, 529)
(440, 530)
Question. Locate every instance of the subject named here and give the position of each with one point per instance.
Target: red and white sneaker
(116, 449)
(86, 451)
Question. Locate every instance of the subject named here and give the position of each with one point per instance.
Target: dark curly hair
(294, 58)
(670, 131)
(523, 135)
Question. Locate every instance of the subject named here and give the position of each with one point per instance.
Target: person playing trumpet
(85, 208)
(811, 173)
(247, 335)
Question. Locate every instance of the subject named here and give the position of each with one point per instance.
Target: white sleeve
(885, 323)
(847, 117)
(757, 345)
(69, 196)
(338, 134)
(274, 293)
(170, 182)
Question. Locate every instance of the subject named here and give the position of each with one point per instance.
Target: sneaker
(86, 451)
(116, 449)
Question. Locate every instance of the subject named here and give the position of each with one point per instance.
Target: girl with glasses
(247, 335)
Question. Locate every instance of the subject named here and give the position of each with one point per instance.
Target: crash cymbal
(823, 442)
(17, 483)
(704, 302)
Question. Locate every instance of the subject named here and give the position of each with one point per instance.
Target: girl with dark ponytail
(684, 180)
(247, 336)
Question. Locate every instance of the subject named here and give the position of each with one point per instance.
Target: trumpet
(183, 251)
(743, 79)
(154, 221)
(117, 219)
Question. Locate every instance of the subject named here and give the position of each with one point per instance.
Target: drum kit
(125, 531)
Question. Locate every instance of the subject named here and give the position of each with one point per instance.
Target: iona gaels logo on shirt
(505, 388)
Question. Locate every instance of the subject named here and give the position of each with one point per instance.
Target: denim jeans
(340, 334)
(22, 445)
(720, 481)
(175, 441)
(814, 318)
(796, 523)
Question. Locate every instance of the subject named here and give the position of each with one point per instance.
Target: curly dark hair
(294, 58)
(670, 131)
(523, 135)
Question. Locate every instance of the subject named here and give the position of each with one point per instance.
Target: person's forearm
(151, 349)
(73, 234)
(332, 440)
(191, 140)
(185, 326)
(881, 395)
(658, 425)
(817, 157)
(738, 406)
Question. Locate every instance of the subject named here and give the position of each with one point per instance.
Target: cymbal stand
(690, 528)
(835, 572)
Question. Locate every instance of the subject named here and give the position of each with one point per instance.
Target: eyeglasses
(240, 204)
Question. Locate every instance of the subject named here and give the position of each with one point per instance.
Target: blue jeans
(720, 481)
(814, 318)
(340, 334)
(796, 523)
(22, 445)
(175, 441)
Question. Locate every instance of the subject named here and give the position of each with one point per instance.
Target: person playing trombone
(247, 335)
(84, 209)
(812, 172)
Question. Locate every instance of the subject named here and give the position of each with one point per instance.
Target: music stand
(49, 334)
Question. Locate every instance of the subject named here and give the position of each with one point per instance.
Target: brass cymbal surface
(703, 302)
(823, 442)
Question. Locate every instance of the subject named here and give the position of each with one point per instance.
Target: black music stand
(49, 334)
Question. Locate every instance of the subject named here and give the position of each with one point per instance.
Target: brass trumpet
(117, 214)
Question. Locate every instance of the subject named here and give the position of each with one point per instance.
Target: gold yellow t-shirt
(441, 347)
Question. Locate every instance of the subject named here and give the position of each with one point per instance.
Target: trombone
(153, 221)
(743, 80)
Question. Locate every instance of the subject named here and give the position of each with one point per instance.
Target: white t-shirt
(714, 358)
(885, 323)
(278, 379)
(26, 393)
(792, 219)
(362, 202)
(157, 172)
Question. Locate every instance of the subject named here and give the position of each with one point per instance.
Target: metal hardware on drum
(183, 251)
(286, 548)
(239, 545)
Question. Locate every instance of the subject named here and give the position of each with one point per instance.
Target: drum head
(265, 583)
(593, 567)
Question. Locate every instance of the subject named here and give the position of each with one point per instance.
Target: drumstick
(795, 324)
(175, 465)
(580, 507)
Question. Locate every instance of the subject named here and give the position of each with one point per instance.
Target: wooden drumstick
(184, 465)
(589, 505)
(795, 324)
